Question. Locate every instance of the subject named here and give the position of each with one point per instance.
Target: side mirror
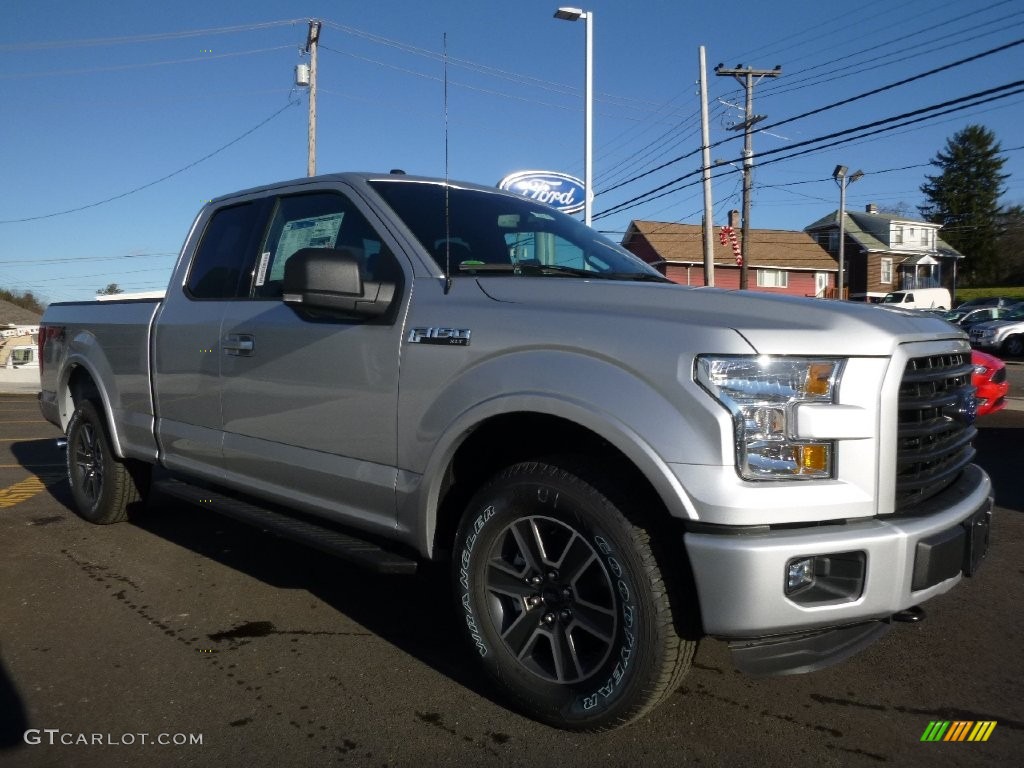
(330, 279)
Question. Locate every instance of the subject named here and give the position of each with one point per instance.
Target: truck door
(186, 348)
(310, 403)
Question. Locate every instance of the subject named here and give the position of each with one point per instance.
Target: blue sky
(163, 106)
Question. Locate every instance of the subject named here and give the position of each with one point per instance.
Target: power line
(898, 83)
(193, 164)
(143, 65)
(101, 41)
(84, 259)
(986, 96)
(875, 91)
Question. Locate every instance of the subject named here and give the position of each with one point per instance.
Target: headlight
(762, 394)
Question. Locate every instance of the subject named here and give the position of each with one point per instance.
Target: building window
(772, 278)
(897, 237)
(833, 242)
(886, 272)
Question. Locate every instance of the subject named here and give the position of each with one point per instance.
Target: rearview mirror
(330, 279)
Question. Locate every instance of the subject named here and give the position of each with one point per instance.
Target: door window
(317, 220)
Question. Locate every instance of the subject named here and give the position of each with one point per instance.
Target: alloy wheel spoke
(576, 559)
(522, 632)
(567, 664)
(527, 538)
(596, 621)
(503, 581)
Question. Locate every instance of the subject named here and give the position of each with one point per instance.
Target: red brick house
(780, 261)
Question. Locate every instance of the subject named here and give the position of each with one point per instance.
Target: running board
(357, 551)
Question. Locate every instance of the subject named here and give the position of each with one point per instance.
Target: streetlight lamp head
(839, 172)
(570, 14)
(856, 175)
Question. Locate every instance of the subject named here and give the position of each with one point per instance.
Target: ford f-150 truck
(404, 370)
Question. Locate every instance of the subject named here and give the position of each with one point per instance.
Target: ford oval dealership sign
(559, 190)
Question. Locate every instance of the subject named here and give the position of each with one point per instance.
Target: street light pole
(574, 14)
(839, 174)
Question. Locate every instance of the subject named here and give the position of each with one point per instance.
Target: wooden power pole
(311, 45)
(745, 76)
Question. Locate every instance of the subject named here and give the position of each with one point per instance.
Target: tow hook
(62, 443)
(911, 615)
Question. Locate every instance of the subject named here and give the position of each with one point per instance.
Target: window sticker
(314, 232)
(261, 273)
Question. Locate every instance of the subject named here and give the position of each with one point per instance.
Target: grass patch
(963, 294)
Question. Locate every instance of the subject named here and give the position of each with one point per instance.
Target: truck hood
(771, 323)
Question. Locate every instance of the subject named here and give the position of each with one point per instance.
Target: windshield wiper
(526, 268)
(638, 276)
(559, 270)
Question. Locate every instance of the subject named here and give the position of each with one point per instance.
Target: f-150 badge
(457, 337)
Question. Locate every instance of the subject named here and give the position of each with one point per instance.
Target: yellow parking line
(32, 466)
(23, 491)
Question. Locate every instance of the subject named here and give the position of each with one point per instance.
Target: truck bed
(110, 340)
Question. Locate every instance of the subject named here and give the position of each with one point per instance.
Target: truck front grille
(936, 426)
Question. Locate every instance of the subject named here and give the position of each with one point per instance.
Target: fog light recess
(833, 578)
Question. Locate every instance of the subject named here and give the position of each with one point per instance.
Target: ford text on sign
(559, 190)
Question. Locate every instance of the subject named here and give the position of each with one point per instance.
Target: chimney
(734, 219)
(871, 208)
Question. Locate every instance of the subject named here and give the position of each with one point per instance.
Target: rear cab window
(221, 265)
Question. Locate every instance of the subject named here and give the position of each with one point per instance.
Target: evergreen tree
(112, 289)
(1011, 246)
(964, 199)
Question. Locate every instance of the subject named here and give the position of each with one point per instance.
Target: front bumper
(740, 575)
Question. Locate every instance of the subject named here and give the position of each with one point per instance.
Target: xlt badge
(458, 337)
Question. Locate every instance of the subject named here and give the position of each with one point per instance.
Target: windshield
(894, 298)
(497, 234)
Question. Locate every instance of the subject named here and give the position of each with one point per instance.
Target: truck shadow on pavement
(13, 719)
(412, 613)
(999, 445)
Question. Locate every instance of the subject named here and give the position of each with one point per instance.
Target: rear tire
(1013, 346)
(563, 600)
(103, 486)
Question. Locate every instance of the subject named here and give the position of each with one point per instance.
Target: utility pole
(311, 45)
(745, 77)
(705, 172)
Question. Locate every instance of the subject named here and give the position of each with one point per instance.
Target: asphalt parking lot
(181, 626)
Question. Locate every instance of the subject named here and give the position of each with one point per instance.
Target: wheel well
(81, 386)
(505, 440)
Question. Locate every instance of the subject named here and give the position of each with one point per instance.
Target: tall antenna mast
(447, 217)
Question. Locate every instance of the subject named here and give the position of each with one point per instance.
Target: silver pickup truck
(401, 370)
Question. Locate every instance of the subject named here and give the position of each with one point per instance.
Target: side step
(357, 551)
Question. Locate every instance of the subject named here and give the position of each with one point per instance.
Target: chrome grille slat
(935, 427)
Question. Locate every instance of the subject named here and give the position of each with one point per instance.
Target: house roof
(12, 314)
(862, 227)
(771, 248)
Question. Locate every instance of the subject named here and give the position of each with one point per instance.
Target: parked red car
(990, 379)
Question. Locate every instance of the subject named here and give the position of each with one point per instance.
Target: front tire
(1013, 346)
(103, 486)
(564, 602)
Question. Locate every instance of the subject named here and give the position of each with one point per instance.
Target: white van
(919, 298)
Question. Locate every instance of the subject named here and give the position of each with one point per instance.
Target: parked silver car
(1005, 336)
